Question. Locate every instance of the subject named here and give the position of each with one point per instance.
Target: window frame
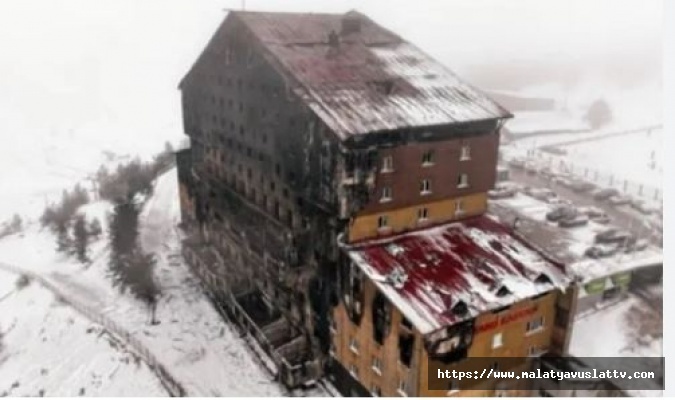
(387, 164)
(463, 183)
(494, 341)
(465, 152)
(425, 187)
(386, 195)
(428, 158)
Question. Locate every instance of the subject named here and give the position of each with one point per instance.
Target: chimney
(333, 40)
(351, 23)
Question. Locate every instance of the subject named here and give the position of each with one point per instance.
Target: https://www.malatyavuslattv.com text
(491, 373)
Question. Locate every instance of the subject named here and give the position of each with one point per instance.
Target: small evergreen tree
(123, 234)
(598, 114)
(63, 240)
(94, 228)
(80, 238)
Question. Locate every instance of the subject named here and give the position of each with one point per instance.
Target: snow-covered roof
(425, 274)
(368, 79)
(591, 269)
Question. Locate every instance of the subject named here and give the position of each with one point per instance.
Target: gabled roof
(371, 80)
(476, 265)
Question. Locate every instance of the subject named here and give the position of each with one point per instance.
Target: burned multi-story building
(319, 144)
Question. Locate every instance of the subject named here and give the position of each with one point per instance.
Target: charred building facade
(314, 136)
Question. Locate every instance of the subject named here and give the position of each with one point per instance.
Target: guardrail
(170, 383)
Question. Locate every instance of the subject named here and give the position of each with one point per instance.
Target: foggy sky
(79, 64)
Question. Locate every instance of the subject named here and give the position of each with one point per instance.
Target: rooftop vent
(397, 278)
(351, 23)
(503, 291)
(543, 278)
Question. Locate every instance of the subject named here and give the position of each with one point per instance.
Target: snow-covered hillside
(49, 349)
(202, 352)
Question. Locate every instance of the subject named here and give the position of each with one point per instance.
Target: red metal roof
(372, 81)
(427, 273)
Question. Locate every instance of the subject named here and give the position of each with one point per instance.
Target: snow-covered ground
(628, 328)
(637, 157)
(201, 351)
(49, 349)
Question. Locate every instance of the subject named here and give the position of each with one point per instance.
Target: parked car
(560, 213)
(636, 245)
(501, 193)
(591, 211)
(543, 194)
(612, 235)
(603, 219)
(546, 173)
(581, 186)
(517, 163)
(619, 200)
(642, 207)
(601, 251)
(604, 194)
(531, 168)
(559, 201)
(595, 214)
(509, 185)
(578, 220)
(563, 180)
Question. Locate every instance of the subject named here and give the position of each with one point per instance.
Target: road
(621, 217)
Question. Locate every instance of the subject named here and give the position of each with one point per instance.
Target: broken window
(387, 164)
(277, 209)
(561, 317)
(354, 345)
(381, 317)
(289, 218)
(422, 214)
(535, 324)
(402, 386)
(354, 371)
(382, 222)
(428, 158)
(377, 365)
(406, 342)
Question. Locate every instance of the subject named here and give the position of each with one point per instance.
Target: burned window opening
(460, 309)
(406, 343)
(381, 318)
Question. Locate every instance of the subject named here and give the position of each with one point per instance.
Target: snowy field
(48, 349)
(637, 157)
(202, 352)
